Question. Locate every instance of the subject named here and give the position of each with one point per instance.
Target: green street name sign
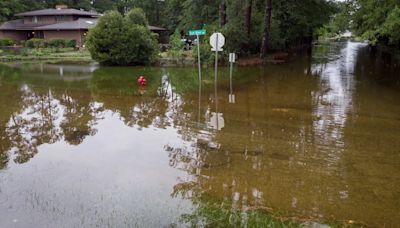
(198, 32)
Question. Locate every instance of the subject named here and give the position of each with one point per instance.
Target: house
(58, 23)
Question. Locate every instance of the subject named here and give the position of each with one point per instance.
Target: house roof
(47, 12)
(155, 28)
(16, 25)
(80, 24)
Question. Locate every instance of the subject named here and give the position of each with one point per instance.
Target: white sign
(217, 41)
(232, 57)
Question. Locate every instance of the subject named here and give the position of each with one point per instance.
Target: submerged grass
(211, 213)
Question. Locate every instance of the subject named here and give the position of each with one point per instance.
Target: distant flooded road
(316, 139)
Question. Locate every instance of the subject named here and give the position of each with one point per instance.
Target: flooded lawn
(317, 139)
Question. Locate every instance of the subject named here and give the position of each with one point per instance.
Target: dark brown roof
(46, 12)
(16, 25)
(81, 23)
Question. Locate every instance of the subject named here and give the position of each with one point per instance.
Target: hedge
(56, 43)
(6, 42)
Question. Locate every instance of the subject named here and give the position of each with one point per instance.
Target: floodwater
(316, 139)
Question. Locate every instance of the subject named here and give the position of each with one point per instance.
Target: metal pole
(198, 56)
(230, 76)
(216, 77)
(199, 62)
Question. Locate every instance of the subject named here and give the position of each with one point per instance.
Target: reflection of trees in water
(79, 117)
(35, 124)
(46, 117)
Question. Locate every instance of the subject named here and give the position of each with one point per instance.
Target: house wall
(77, 35)
(14, 35)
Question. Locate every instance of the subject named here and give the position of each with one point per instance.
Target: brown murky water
(319, 139)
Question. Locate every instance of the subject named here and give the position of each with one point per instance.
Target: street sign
(217, 41)
(232, 57)
(199, 32)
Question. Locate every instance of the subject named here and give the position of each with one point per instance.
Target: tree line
(253, 26)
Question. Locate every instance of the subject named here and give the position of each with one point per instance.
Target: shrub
(57, 43)
(176, 45)
(137, 16)
(70, 44)
(35, 43)
(117, 41)
(6, 42)
(61, 43)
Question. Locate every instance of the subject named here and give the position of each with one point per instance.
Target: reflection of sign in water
(232, 98)
(232, 59)
(217, 121)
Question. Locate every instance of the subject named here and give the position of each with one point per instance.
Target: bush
(70, 44)
(35, 43)
(137, 16)
(56, 43)
(61, 43)
(6, 42)
(118, 41)
(176, 45)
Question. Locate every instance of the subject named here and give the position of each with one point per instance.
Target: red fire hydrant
(141, 81)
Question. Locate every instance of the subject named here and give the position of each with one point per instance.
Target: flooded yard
(316, 139)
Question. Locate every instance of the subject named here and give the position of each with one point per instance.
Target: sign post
(198, 33)
(217, 41)
(232, 59)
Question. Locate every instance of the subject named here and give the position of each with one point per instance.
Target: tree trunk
(267, 28)
(249, 6)
(222, 13)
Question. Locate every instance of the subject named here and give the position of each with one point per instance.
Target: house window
(35, 19)
(40, 34)
(62, 18)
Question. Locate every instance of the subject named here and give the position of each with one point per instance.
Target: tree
(136, 16)
(103, 5)
(377, 21)
(249, 5)
(119, 41)
(222, 13)
(267, 28)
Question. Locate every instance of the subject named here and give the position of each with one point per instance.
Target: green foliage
(6, 42)
(35, 43)
(55, 43)
(136, 16)
(61, 43)
(293, 22)
(116, 41)
(10, 7)
(177, 45)
(391, 27)
(377, 21)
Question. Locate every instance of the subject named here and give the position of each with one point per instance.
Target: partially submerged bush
(120, 41)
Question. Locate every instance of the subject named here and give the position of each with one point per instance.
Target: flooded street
(316, 139)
